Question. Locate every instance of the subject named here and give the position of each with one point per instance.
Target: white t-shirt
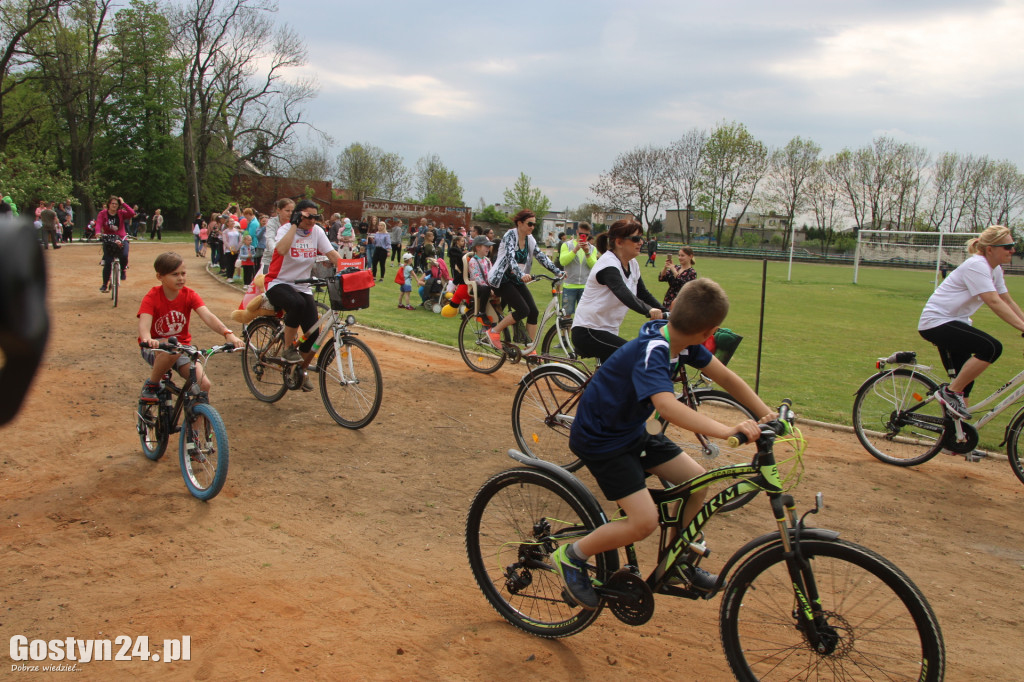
(959, 295)
(598, 307)
(298, 261)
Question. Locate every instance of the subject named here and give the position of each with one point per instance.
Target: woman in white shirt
(299, 242)
(613, 287)
(946, 320)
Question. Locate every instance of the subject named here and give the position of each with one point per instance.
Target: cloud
(970, 54)
(419, 94)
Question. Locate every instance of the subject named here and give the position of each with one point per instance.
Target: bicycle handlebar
(777, 427)
(172, 346)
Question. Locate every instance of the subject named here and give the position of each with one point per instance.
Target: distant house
(674, 225)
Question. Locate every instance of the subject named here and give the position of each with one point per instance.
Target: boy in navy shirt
(610, 434)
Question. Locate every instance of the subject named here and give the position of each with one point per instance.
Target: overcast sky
(558, 89)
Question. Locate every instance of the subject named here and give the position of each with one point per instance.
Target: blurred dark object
(24, 322)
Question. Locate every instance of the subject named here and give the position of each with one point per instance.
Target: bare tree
(684, 162)
(825, 199)
(846, 170)
(636, 183)
(310, 163)
(233, 97)
(791, 168)
(736, 164)
(1003, 195)
(909, 166)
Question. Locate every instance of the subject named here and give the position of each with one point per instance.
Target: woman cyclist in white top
(299, 242)
(946, 319)
(613, 287)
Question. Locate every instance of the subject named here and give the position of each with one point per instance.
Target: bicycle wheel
(542, 413)
(1014, 445)
(350, 386)
(875, 622)
(712, 453)
(476, 348)
(893, 422)
(555, 345)
(517, 519)
(115, 280)
(151, 432)
(264, 377)
(203, 452)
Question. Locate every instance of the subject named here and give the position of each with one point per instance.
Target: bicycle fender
(554, 368)
(773, 538)
(574, 484)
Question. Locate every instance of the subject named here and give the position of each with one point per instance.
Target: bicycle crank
(628, 596)
(969, 442)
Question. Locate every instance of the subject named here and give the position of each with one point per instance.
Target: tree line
(727, 172)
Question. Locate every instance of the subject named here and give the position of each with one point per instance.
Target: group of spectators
(236, 240)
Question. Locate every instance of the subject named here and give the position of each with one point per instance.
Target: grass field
(821, 334)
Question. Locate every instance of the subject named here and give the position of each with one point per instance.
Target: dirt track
(339, 555)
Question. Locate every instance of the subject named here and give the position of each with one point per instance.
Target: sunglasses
(315, 216)
(533, 224)
(636, 239)
(1008, 247)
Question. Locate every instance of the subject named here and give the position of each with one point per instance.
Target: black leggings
(111, 251)
(595, 343)
(957, 342)
(380, 256)
(516, 296)
(299, 310)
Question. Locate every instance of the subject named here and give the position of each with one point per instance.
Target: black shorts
(623, 472)
(957, 342)
(595, 343)
(299, 308)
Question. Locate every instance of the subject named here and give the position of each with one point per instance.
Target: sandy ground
(336, 554)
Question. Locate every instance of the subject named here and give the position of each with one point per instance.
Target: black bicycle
(203, 443)
(799, 603)
(112, 249)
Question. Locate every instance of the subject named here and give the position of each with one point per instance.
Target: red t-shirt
(170, 318)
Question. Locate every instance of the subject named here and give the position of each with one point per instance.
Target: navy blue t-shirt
(616, 404)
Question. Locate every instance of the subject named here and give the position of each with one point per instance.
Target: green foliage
(436, 184)
(492, 215)
(523, 195)
(27, 178)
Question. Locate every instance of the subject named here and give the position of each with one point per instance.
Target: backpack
(400, 277)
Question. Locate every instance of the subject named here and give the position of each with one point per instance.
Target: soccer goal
(938, 251)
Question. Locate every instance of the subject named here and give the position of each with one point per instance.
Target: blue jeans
(570, 299)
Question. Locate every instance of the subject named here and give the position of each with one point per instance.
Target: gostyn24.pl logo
(122, 648)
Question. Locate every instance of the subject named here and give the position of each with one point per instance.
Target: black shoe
(148, 394)
(291, 355)
(695, 576)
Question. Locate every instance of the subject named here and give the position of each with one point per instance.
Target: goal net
(935, 251)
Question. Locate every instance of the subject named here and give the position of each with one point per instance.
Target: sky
(559, 89)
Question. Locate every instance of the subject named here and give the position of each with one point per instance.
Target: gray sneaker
(574, 575)
(291, 355)
(307, 383)
(952, 402)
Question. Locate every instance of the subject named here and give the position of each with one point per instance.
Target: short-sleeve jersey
(959, 295)
(616, 404)
(170, 318)
(298, 261)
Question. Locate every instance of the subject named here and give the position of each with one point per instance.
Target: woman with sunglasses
(511, 272)
(299, 242)
(946, 320)
(613, 287)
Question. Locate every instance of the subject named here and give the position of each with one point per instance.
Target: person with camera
(299, 242)
(577, 257)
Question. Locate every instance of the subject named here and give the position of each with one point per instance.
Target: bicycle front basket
(350, 292)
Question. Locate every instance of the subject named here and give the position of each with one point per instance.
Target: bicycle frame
(330, 322)
(186, 396)
(553, 310)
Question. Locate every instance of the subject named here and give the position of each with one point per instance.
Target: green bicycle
(798, 603)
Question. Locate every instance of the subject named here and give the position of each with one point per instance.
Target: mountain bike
(478, 353)
(203, 443)
(112, 253)
(898, 420)
(351, 386)
(798, 603)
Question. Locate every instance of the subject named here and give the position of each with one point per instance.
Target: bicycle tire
(712, 453)
(353, 394)
(879, 619)
(880, 417)
(265, 380)
(151, 431)
(476, 348)
(542, 413)
(1014, 444)
(517, 519)
(115, 280)
(205, 468)
(552, 346)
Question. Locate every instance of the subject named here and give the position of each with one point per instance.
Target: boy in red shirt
(163, 313)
